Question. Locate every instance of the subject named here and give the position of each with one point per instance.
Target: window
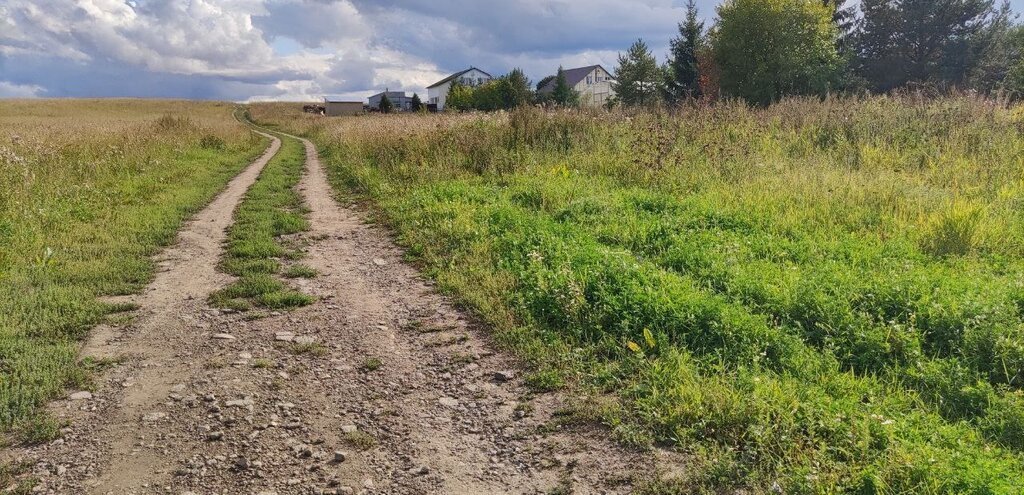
(590, 80)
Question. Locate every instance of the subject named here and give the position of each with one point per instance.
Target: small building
(593, 83)
(338, 108)
(402, 101)
(437, 93)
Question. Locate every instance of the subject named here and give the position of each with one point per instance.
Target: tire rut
(381, 386)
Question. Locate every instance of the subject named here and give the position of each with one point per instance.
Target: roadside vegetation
(809, 297)
(258, 249)
(89, 191)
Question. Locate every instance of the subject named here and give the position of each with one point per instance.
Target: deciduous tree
(460, 97)
(767, 49)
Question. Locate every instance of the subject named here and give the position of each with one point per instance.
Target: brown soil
(381, 386)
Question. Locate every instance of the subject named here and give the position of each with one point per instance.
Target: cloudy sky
(303, 49)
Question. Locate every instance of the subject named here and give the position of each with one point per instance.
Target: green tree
(638, 79)
(996, 49)
(844, 17)
(544, 82)
(516, 87)
(940, 42)
(385, 105)
(416, 105)
(489, 96)
(460, 97)
(1013, 83)
(766, 49)
(682, 75)
(563, 94)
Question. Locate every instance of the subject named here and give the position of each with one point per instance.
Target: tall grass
(89, 190)
(818, 296)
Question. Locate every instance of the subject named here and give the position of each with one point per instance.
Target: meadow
(820, 296)
(89, 191)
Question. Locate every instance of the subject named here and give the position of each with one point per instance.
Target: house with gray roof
(437, 93)
(400, 99)
(593, 83)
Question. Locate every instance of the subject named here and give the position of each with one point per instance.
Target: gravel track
(381, 386)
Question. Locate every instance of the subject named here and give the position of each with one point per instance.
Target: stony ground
(379, 387)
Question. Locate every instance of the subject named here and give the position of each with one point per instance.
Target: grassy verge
(813, 298)
(257, 247)
(89, 192)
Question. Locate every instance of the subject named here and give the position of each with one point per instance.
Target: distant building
(401, 101)
(593, 83)
(437, 93)
(337, 108)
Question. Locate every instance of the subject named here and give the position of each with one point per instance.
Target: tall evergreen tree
(682, 74)
(417, 104)
(385, 105)
(996, 50)
(844, 17)
(517, 89)
(923, 41)
(638, 79)
(563, 94)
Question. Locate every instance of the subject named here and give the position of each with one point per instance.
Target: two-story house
(593, 83)
(437, 93)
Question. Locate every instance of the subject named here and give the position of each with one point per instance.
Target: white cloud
(11, 90)
(226, 48)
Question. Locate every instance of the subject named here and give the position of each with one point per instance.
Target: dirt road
(379, 387)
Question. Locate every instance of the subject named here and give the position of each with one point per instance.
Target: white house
(438, 92)
(593, 83)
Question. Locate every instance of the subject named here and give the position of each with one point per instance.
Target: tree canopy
(924, 41)
(682, 75)
(638, 79)
(563, 94)
(385, 105)
(767, 49)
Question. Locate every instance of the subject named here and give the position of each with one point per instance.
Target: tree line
(763, 50)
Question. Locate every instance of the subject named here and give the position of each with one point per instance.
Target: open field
(89, 191)
(815, 297)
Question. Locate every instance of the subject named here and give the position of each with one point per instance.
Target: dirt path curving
(379, 387)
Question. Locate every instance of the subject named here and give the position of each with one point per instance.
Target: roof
(332, 99)
(572, 76)
(392, 94)
(455, 76)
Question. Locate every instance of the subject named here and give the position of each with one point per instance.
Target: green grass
(271, 210)
(299, 271)
(823, 297)
(371, 364)
(89, 192)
